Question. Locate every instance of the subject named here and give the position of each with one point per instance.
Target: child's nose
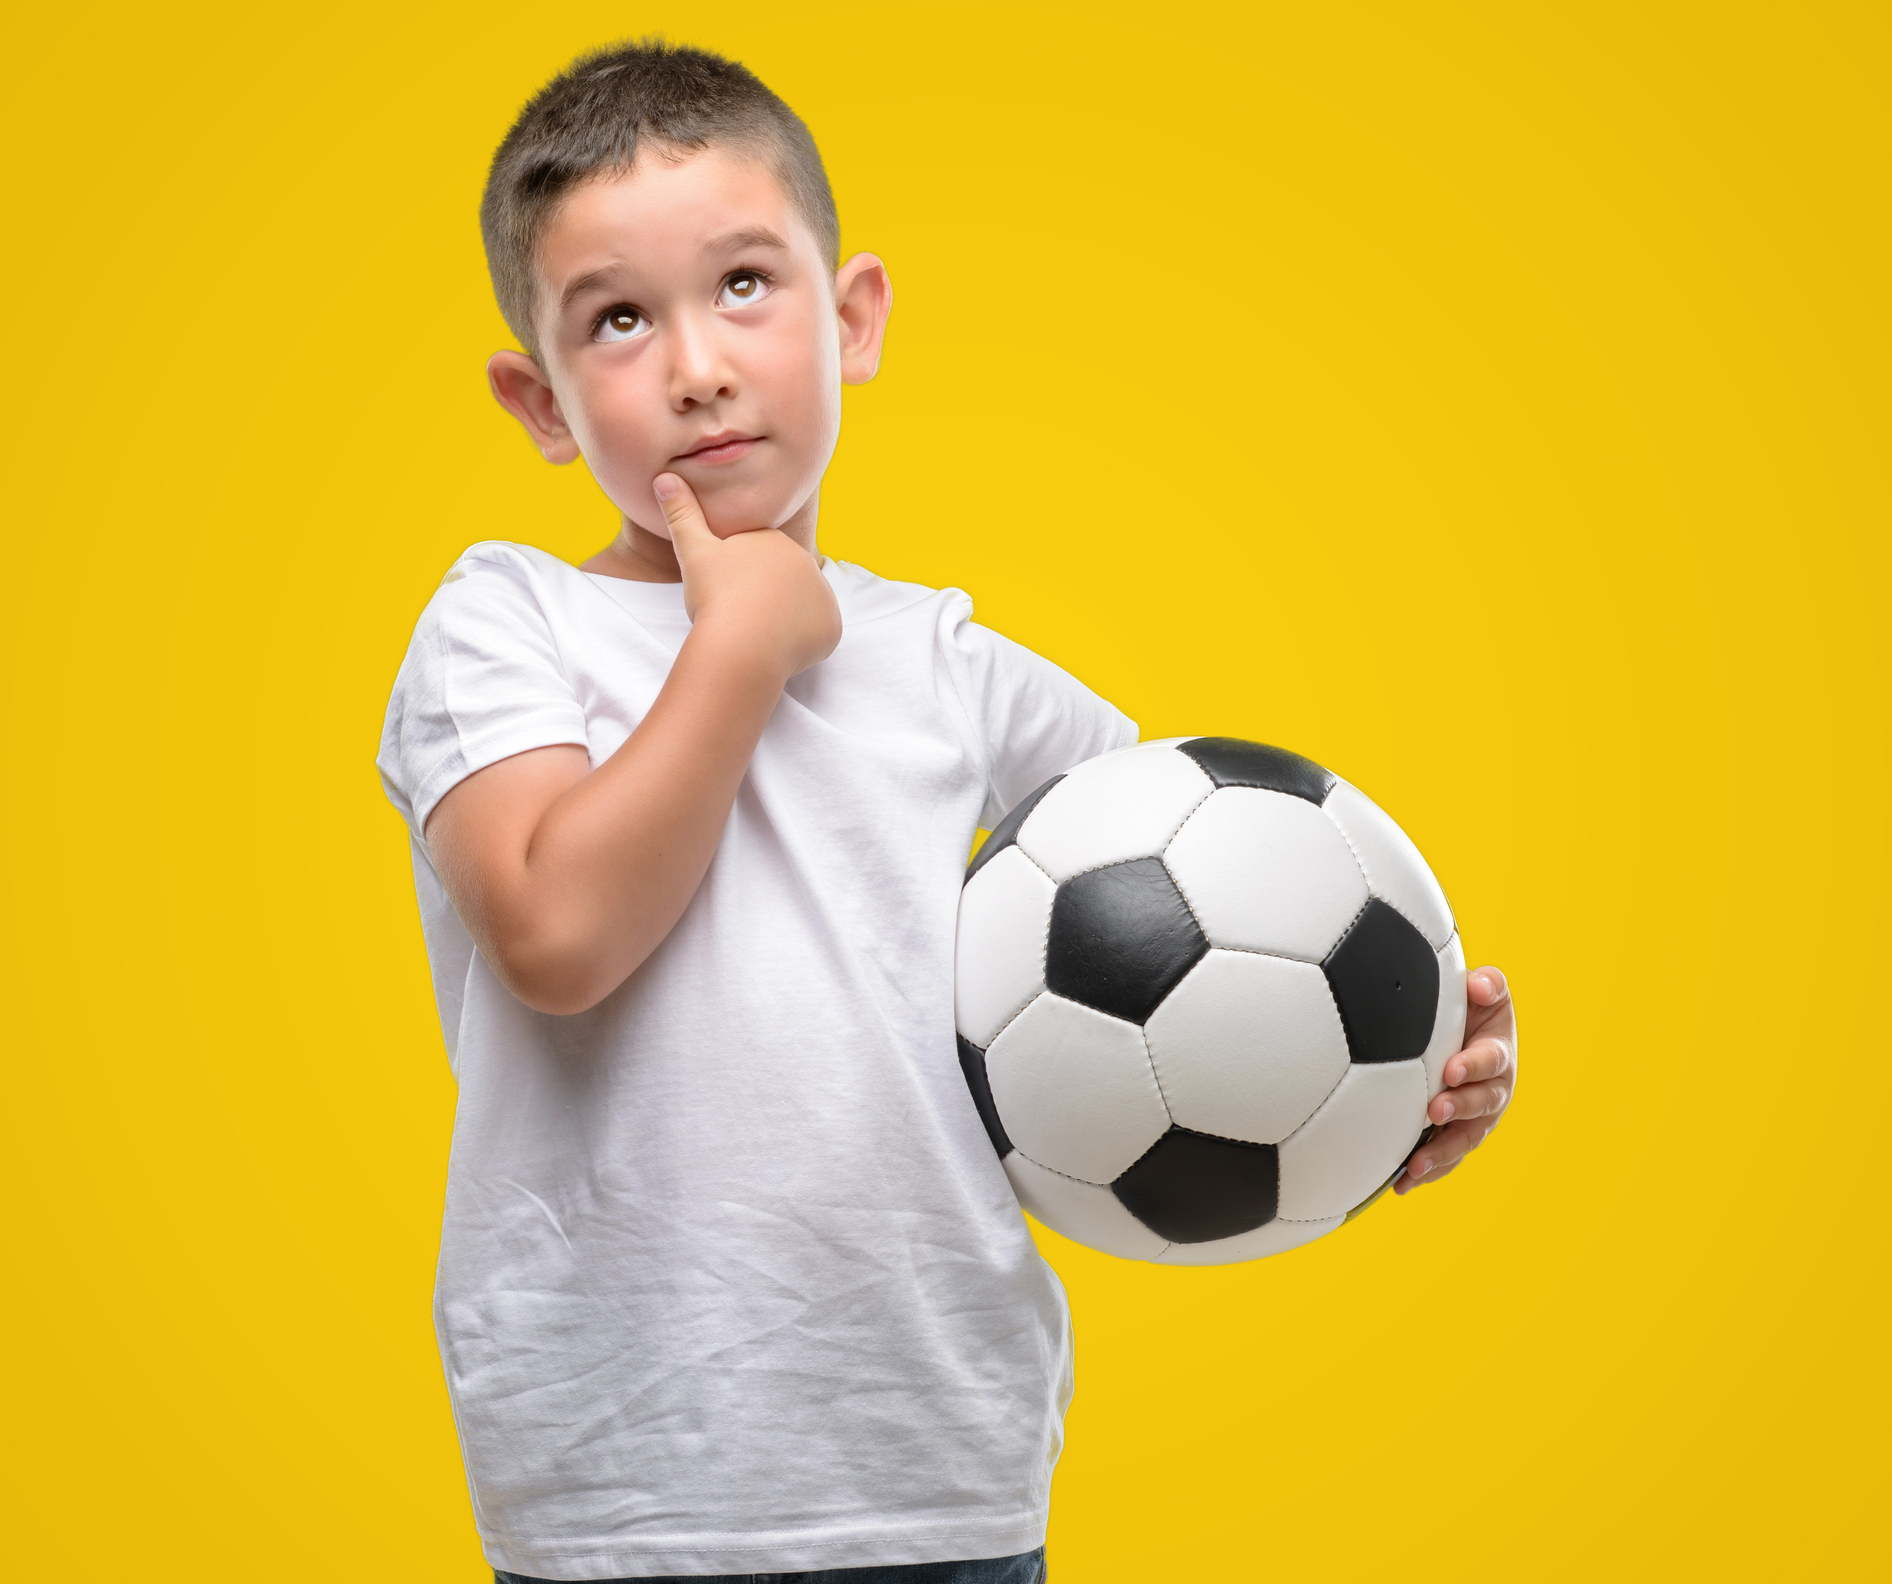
(699, 373)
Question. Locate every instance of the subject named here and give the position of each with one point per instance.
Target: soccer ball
(1205, 991)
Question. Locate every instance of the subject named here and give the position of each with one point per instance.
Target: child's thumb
(689, 529)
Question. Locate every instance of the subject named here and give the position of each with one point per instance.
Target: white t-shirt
(730, 1278)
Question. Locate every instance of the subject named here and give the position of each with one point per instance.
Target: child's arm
(567, 877)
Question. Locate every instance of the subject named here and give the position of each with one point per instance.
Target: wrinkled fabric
(730, 1280)
(1026, 1568)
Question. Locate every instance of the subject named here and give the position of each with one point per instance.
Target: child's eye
(742, 288)
(620, 324)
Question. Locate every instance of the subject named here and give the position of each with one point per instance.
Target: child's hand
(1478, 1083)
(757, 586)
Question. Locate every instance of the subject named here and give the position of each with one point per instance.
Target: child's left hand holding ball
(1478, 1083)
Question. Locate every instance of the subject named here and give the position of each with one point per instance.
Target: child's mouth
(722, 448)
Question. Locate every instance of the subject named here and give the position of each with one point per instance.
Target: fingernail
(664, 485)
(1446, 1110)
(1420, 1169)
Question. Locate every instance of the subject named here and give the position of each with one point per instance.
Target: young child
(731, 1281)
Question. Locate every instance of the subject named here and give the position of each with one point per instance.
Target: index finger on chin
(683, 513)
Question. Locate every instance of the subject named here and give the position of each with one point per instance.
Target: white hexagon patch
(1354, 1142)
(1074, 1089)
(1125, 805)
(999, 959)
(1247, 1046)
(1448, 1027)
(1267, 872)
(1395, 872)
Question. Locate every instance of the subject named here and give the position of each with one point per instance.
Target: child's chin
(741, 511)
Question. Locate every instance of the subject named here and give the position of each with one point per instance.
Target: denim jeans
(1026, 1568)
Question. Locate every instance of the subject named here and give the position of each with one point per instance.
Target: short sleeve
(482, 681)
(1029, 719)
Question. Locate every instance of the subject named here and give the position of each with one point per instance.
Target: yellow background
(1489, 401)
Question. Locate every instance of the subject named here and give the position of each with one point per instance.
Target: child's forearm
(565, 906)
(568, 877)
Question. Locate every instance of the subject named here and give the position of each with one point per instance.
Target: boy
(731, 1281)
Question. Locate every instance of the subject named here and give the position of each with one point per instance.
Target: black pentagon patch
(1005, 833)
(1191, 1187)
(1231, 762)
(972, 1060)
(1385, 980)
(1121, 937)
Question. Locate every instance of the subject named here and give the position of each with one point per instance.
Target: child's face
(687, 324)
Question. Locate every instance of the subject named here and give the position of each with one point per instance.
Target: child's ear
(863, 297)
(522, 389)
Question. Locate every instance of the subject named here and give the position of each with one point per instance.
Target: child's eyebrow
(584, 283)
(749, 236)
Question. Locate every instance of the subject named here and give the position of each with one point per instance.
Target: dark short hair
(591, 118)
